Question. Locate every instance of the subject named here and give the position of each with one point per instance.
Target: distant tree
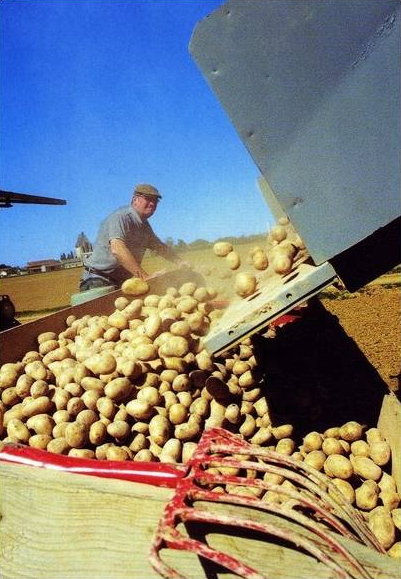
(198, 243)
(70, 255)
(170, 241)
(63, 256)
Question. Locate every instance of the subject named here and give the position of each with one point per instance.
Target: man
(122, 240)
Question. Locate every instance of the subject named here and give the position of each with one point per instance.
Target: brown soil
(372, 319)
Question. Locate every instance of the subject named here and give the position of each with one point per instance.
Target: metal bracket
(276, 296)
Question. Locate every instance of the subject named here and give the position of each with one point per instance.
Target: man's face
(145, 205)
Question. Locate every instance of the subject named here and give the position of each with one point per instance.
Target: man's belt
(97, 272)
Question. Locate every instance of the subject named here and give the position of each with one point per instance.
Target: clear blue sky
(97, 95)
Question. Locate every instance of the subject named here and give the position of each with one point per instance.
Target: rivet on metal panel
(297, 201)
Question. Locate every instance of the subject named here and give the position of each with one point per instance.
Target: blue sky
(97, 95)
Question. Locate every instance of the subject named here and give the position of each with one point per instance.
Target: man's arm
(123, 255)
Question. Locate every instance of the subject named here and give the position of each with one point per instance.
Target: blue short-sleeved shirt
(138, 235)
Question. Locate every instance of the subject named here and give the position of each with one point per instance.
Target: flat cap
(146, 189)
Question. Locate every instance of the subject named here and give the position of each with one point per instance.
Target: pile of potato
(139, 385)
(282, 249)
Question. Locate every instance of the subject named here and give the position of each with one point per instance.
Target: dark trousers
(93, 282)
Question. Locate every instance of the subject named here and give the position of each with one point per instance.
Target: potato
(338, 466)
(395, 551)
(9, 396)
(40, 405)
(87, 417)
(315, 459)
(285, 446)
(41, 424)
(135, 286)
(373, 435)
(188, 450)
(187, 431)
(40, 441)
(278, 233)
(92, 383)
(171, 451)
(387, 483)
(76, 435)
(312, 441)
(396, 516)
(81, 453)
(75, 405)
(187, 289)
(380, 452)
(36, 370)
(97, 433)
(351, 431)
(101, 363)
(260, 260)
(159, 429)
(245, 284)
(366, 468)
(332, 446)
(176, 346)
(18, 431)
(282, 264)
(382, 526)
(119, 429)
(177, 413)
(248, 427)
(45, 336)
(58, 446)
(366, 495)
(390, 499)
(360, 448)
(116, 453)
(233, 260)
(332, 432)
(23, 385)
(187, 304)
(222, 248)
(144, 455)
(118, 389)
(106, 406)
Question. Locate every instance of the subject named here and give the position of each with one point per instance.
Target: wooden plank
(59, 525)
(389, 424)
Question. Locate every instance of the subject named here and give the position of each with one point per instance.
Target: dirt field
(372, 319)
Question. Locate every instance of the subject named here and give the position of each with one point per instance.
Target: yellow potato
(351, 431)
(366, 468)
(222, 248)
(18, 431)
(101, 363)
(338, 466)
(76, 435)
(135, 286)
(245, 284)
(233, 260)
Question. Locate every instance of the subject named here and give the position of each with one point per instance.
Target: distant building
(43, 265)
(83, 246)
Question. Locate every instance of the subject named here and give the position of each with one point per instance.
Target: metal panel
(313, 89)
(276, 296)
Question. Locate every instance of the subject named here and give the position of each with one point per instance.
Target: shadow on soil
(316, 376)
